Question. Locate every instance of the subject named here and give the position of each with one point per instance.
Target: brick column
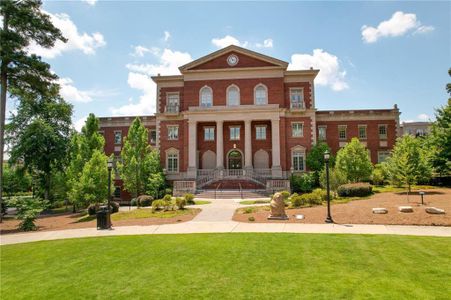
(192, 149)
(219, 145)
(275, 141)
(247, 144)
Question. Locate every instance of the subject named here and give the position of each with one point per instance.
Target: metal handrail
(241, 191)
(217, 189)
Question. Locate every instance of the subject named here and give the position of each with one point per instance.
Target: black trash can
(102, 218)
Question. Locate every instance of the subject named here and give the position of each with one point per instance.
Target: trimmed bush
(303, 183)
(144, 200)
(297, 201)
(310, 199)
(167, 198)
(189, 199)
(158, 204)
(252, 219)
(285, 195)
(322, 194)
(360, 189)
(180, 202)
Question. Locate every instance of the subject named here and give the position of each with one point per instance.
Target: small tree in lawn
(439, 139)
(315, 159)
(155, 184)
(92, 187)
(28, 209)
(336, 178)
(134, 168)
(354, 161)
(408, 162)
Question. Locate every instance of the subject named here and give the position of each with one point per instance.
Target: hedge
(360, 189)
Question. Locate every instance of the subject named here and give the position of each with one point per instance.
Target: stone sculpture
(277, 208)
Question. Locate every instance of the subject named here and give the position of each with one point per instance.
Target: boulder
(435, 210)
(380, 210)
(405, 209)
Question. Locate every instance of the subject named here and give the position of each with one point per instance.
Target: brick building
(236, 113)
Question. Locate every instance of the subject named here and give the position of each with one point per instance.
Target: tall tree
(135, 165)
(39, 135)
(20, 72)
(408, 162)
(315, 159)
(354, 161)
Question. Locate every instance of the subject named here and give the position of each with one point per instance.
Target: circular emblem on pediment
(232, 60)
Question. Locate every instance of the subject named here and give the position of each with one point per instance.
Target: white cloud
(90, 2)
(139, 78)
(80, 123)
(231, 40)
(331, 73)
(167, 35)
(423, 117)
(87, 43)
(72, 94)
(140, 51)
(399, 24)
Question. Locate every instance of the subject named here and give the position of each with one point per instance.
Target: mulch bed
(360, 211)
(69, 221)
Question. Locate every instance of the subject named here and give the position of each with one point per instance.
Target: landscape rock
(435, 210)
(405, 209)
(380, 210)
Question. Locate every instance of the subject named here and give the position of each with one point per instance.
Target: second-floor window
(297, 129)
(260, 132)
(383, 132)
(209, 133)
(153, 136)
(342, 132)
(173, 132)
(322, 133)
(234, 133)
(362, 132)
(173, 102)
(233, 95)
(297, 98)
(118, 137)
(206, 97)
(261, 95)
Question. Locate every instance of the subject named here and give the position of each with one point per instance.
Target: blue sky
(371, 54)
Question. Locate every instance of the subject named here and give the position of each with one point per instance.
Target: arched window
(260, 95)
(172, 160)
(233, 95)
(206, 97)
(298, 158)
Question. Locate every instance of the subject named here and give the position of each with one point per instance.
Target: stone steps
(231, 194)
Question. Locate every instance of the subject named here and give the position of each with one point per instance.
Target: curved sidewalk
(225, 227)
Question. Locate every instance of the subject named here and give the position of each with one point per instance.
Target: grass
(148, 213)
(394, 189)
(252, 209)
(229, 266)
(250, 202)
(201, 202)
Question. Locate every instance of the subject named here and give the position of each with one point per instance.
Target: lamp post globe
(326, 160)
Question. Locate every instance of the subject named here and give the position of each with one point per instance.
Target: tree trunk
(4, 84)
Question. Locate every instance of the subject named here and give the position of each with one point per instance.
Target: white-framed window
(172, 160)
(297, 129)
(233, 95)
(172, 102)
(419, 132)
(342, 132)
(362, 132)
(153, 136)
(322, 133)
(206, 97)
(209, 133)
(260, 94)
(260, 132)
(118, 137)
(173, 132)
(382, 156)
(297, 98)
(234, 133)
(298, 158)
(382, 131)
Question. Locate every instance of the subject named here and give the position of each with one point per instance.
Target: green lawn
(250, 202)
(201, 202)
(148, 213)
(229, 266)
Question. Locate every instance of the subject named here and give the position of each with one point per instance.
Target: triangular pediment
(244, 59)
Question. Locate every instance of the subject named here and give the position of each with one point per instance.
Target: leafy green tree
(408, 162)
(315, 159)
(378, 176)
(15, 179)
(39, 135)
(440, 140)
(336, 178)
(92, 186)
(155, 184)
(354, 161)
(28, 209)
(138, 161)
(22, 73)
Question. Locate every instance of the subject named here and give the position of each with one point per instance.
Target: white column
(275, 140)
(219, 145)
(247, 144)
(192, 149)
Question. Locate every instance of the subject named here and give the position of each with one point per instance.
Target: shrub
(252, 219)
(248, 210)
(285, 195)
(180, 202)
(114, 206)
(310, 199)
(144, 200)
(189, 199)
(158, 204)
(28, 210)
(168, 191)
(378, 175)
(360, 189)
(322, 194)
(297, 201)
(92, 209)
(133, 202)
(302, 183)
(167, 198)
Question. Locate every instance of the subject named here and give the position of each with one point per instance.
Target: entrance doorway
(235, 160)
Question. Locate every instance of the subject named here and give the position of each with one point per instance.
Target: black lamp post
(326, 160)
(110, 167)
